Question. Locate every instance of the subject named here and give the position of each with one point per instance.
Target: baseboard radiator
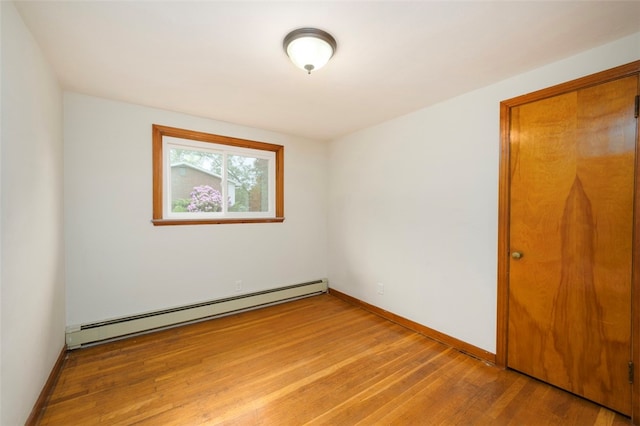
(99, 332)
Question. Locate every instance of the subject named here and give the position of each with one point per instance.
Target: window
(201, 178)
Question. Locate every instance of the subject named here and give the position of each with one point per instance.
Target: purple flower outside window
(205, 199)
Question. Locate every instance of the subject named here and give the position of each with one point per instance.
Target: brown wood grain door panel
(572, 174)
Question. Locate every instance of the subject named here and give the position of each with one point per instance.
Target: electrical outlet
(238, 285)
(380, 288)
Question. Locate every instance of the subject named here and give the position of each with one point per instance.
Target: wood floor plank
(315, 361)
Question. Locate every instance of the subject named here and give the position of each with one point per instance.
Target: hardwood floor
(316, 361)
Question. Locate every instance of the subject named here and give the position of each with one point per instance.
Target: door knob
(516, 255)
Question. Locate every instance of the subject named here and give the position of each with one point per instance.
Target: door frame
(504, 215)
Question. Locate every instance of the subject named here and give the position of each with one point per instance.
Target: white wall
(32, 274)
(119, 264)
(413, 203)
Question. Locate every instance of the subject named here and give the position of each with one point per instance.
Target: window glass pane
(196, 178)
(248, 183)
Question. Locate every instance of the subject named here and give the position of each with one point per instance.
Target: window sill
(171, 222)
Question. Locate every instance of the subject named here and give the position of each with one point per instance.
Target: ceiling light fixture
(309, 48)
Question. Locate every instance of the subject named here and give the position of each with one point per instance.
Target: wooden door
(571, 222)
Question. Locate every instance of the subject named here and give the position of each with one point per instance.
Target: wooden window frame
(158, 132)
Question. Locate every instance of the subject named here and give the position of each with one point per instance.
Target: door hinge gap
(631, 371)
(637, 106)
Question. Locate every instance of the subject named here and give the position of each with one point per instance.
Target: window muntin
(205, 178)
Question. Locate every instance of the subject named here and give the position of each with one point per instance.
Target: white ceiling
(224, 59)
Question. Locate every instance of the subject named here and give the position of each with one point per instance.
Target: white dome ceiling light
(309, 48)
